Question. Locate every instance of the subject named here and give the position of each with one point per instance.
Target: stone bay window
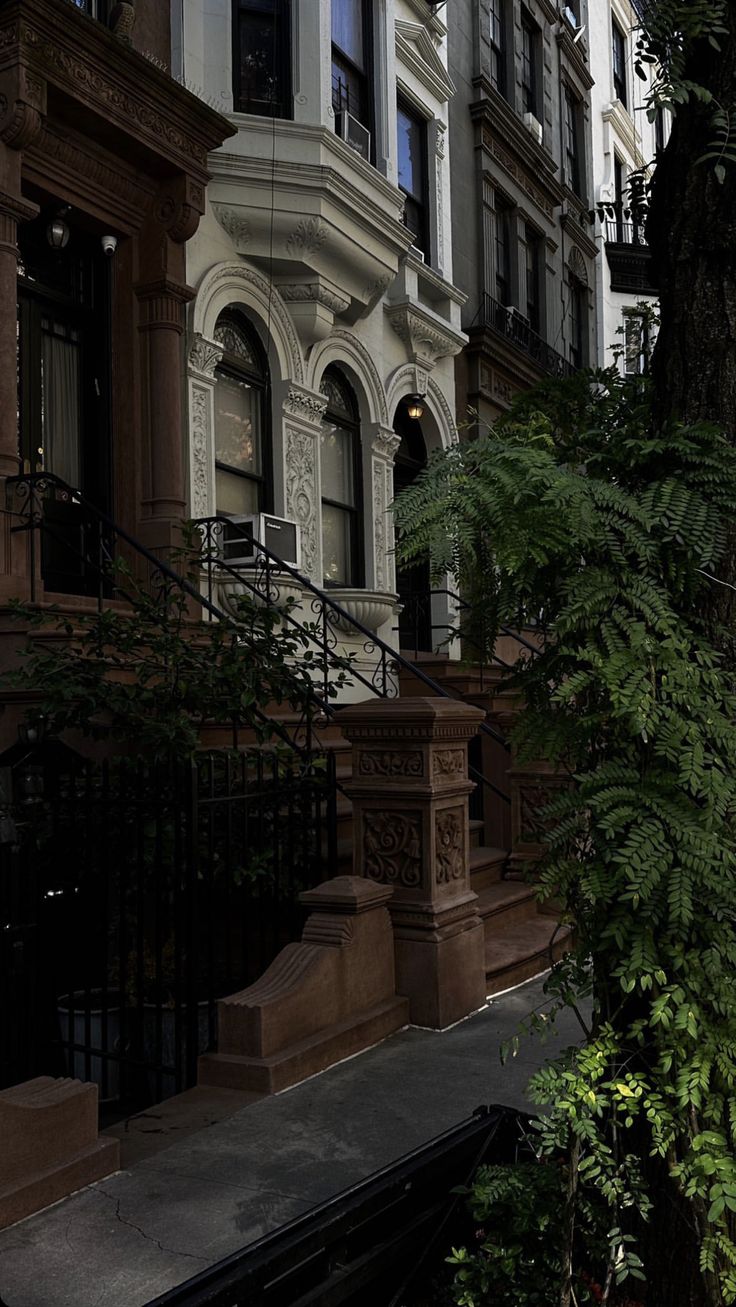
(262, 57)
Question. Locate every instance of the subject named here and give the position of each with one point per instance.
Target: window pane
(61, 415)
(411, 154)
(338, 477)
(234, 494)
(498, 79)
(259, 68)
(337, 560)
(349, 90)
(347, 29)
(237, 425)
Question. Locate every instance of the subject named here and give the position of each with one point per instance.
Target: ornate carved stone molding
(300, 458)
(162, 305)
(179, 207)
(314, 293)
(448, 762)
(386, 444)
(235, 224)
(392, 847)
(308, 237)
(22, 107)
(204, 356)
(427, 339)
(396, 762)
(449, 832)
(305, 404)
(199, 416)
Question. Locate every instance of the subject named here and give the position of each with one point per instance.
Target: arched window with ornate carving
(242, 418)
(340, 454)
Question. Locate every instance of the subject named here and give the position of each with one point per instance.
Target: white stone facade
(305, 238)
(623, 134)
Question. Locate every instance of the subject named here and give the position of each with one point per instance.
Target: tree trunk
(691, 232)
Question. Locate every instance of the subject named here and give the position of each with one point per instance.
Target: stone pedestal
(410, 792)
(320, 1001)
(49, 1146)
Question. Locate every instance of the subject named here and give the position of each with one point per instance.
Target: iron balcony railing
(621, 232)
(508, 322)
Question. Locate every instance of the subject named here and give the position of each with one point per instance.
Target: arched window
(242, 419)
(342, 561)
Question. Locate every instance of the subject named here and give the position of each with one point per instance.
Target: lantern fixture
(57, 232)
(415, 406)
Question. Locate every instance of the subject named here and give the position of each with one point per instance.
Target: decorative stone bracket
(410, 793)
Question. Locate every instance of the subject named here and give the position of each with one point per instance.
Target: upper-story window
(261, 57)
(96, 8)
(498, 45)
(578, 321)
(659, 131)
(341, 483)
(618, 50)
(352, 98)
(530, 51)
(617, 232)
(534, 255)
(574, 173)
(241, 418)
(637, 342)
(502, 251)
(412, 154)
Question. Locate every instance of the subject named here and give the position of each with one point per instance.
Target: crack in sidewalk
(150, 1238)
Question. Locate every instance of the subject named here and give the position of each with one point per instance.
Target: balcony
(515, 329)
(629, 258)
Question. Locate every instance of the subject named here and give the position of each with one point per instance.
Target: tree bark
(691, 231)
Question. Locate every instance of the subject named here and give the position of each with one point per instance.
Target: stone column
(410, 793)
(300, 486)
(383, 446)
(162, 321)
(204, 357)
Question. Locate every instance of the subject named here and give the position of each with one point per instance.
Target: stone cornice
(625, 128)
(415, 49)
(427, 337)
(107, 79)
(576, 233)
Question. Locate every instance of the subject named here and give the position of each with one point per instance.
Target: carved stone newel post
(410, 793)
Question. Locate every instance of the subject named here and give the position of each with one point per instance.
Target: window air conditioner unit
(534, 126)
(353, 133)
(277, 534)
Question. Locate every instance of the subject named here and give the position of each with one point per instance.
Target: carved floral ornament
(448, 763)
(308, 237)
(305, 404)
(399, 763)
(426, 341)
(204, 356)
(392, 848)
(386, 444)
(450, 846)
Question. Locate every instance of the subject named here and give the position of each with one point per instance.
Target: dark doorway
(412, 583)
(64, 386)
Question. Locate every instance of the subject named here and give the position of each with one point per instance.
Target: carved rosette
(407, 763)
(392, 847)
(449, 833)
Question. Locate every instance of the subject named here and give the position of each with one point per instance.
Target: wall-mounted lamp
(415, 406)
(57, 232)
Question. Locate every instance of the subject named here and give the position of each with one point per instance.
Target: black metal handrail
(264, 578)
(619, 232)
(514, 327)
(454, 632)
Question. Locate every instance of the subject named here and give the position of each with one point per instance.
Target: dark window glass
(619, 62)
(350, 59)
(412, 140)
(578, 322)
(498, 46)
(573, 168)
(261, 57)
(241, 418)
(659, 141)
(534, 280)
(502, 244)
(96, 8)
(637, 344)
(340, 474)
(529, 47)
(618, 183)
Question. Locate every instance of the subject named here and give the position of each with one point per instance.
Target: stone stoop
(49, 1145)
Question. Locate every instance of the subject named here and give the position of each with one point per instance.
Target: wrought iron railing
(514, 327)
(417, 622)
(620, 232)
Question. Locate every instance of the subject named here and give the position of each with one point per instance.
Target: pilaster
(381, 448)
(298, 475)
(204, 356)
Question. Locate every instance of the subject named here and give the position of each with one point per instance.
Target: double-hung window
(341, 483)
(637, 343)
(412, 155)
(351, 60)
(241, 418)
(498, 45)
(573, 161)
(618, 51)
(534, 254)
(261, 58)
(502, 252)
(96, 8)
(578, 314)
(530, 36)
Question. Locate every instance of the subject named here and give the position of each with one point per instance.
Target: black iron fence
(133, 896)
(620, 231)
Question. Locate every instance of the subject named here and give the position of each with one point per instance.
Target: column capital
(204, 356)
(384, 441)
(12, 212)
(162, 302)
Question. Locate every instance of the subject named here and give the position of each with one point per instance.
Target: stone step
(477, 827)
(486, 866)
(523, 951)
(504, 905)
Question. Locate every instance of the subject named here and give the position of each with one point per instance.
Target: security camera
(109, 245)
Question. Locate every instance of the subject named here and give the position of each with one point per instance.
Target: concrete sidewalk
(130, 1237)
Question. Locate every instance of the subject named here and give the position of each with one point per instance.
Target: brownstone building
(103, 162)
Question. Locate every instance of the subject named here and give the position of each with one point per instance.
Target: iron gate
(133, 896)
